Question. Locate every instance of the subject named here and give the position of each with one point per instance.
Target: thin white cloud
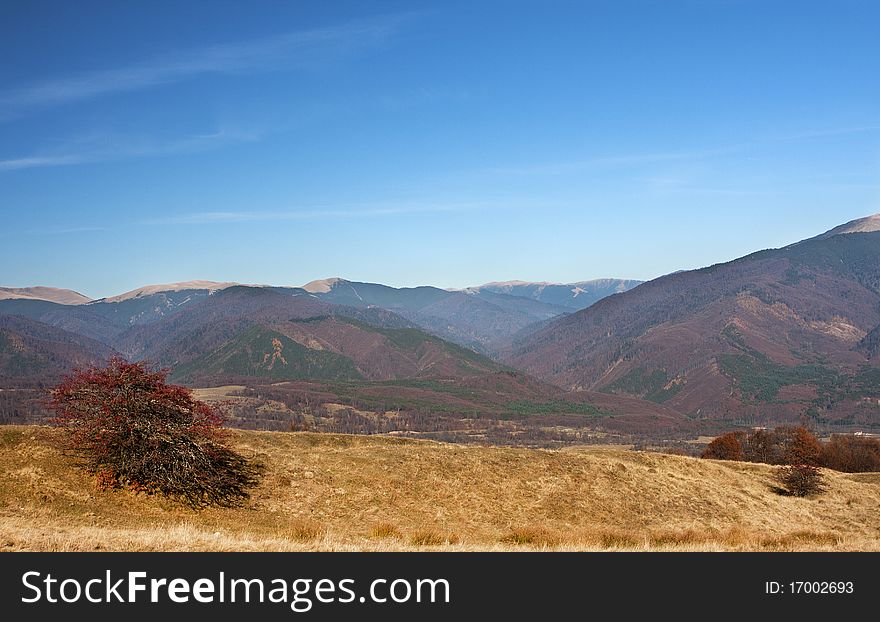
(351, 212)
(106, 148)
(369, 211)
(38, 161)
(302, 49)
(54, 231)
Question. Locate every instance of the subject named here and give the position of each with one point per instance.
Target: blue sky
(445, 143)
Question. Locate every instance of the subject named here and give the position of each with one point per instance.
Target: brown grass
(336, 492)
(532, 536)
(303, 531)
(431, 537)
(385, 530)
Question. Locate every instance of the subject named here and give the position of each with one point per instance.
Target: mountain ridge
(779, 334)
(571, 296)
(48, 294)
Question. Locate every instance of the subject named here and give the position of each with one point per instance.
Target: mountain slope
(154, 302)
(185, 286)
(273, 333)
(465, 319)
(291, 350)
(77, 319)
(479, 319)
(569, 296)
(262, 353)
(859, 225)
(776, 335)
(208, 322)
(35, 354)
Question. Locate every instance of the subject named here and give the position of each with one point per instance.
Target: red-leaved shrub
(132, 429)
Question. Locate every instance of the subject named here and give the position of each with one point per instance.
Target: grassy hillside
(335, 492)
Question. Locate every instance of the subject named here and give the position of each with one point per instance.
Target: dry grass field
(336, 492)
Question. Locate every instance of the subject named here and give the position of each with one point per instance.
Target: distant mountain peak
(322, 286)
(859, 225)
(149, 290)
(50, 294)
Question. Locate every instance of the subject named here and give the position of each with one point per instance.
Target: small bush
(385, 530)
(133, 430)
(532, 536)
(616, 538)
(304, 531)
(797, 539)
(801, 480)
(668, 537)
(430, 537)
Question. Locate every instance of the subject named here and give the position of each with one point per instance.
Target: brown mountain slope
(775, 335)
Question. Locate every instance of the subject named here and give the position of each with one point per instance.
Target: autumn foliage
(793, 445)
(851, 454)
(132, 429)
(784, 445)
(728, 446)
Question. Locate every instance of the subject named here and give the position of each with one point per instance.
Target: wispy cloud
(302, 49)
(54, 231)
(105, 148)
(37, 161)
(346, 213)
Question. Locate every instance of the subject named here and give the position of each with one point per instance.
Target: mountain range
(780, 335)
(421, 349)
(477, 318)
(571, 296)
